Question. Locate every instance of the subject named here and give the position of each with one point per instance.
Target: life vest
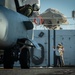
(25, 10)
(38, 20)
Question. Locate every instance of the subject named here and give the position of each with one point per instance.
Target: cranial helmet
(60, 44)
(36, 7)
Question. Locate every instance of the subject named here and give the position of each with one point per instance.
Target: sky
(64, 6)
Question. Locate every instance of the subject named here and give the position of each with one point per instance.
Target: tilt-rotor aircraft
(16, 34)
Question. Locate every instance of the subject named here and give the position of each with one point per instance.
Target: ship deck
(39, 71)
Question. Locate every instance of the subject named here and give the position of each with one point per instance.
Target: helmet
(59, 44)
(36, 7)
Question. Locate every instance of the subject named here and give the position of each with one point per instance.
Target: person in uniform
(26, 9)
(60, 51)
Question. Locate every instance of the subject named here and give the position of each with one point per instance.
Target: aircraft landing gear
(8, 59)
(25, 58)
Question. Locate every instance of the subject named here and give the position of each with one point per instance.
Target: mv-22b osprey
(16, 33)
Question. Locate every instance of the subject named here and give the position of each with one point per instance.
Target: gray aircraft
(16, 32)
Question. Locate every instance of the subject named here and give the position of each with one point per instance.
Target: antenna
(73, 14)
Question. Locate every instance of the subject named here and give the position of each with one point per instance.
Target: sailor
(26, 9)
(59, 54)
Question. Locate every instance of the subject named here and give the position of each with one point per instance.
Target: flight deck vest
(26, 10)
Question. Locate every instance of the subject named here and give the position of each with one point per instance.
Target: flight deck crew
(26, 9)
(59, 54)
